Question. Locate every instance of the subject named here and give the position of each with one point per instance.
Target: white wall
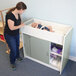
(61, 11)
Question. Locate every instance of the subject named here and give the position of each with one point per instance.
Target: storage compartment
(1, 30)
(55, 61)
(55, 55)
(56, 49)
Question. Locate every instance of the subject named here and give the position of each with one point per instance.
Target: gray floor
(30, 68)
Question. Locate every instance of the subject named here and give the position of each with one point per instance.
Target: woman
(11, 31)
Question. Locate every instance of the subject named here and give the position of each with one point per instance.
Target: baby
(39, 26)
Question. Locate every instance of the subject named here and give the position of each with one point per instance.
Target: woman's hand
(22, 24)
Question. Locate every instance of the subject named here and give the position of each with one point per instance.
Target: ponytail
(19, 6)
(12, 9)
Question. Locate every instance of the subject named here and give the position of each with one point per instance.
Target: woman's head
(20, 6)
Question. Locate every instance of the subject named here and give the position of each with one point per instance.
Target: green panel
(27, 45)
(40, 49)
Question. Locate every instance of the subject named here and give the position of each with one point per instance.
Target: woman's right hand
(22, 24)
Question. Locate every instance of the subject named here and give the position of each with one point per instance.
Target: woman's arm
(11, 25)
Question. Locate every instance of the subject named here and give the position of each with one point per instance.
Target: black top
(16, 23)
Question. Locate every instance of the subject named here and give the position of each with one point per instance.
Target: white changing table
(37, 43)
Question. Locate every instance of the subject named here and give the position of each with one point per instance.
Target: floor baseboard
(72, 58)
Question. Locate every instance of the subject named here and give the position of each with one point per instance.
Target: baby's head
(34, 24)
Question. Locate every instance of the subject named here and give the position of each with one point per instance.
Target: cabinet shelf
(21, 45)
(2, 21)
(1, 32)
(1, 24)
(55, 54)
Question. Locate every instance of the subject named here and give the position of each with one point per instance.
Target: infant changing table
(41, 46)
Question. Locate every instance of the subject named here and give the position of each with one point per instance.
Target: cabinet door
(27, 50)
(40, 49)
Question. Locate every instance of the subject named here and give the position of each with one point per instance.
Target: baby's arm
(34, 25)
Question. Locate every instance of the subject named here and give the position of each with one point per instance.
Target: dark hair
(19, 6)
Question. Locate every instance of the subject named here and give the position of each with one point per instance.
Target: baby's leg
(50, 28)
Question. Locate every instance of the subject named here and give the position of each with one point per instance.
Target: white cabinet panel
(37, 42)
